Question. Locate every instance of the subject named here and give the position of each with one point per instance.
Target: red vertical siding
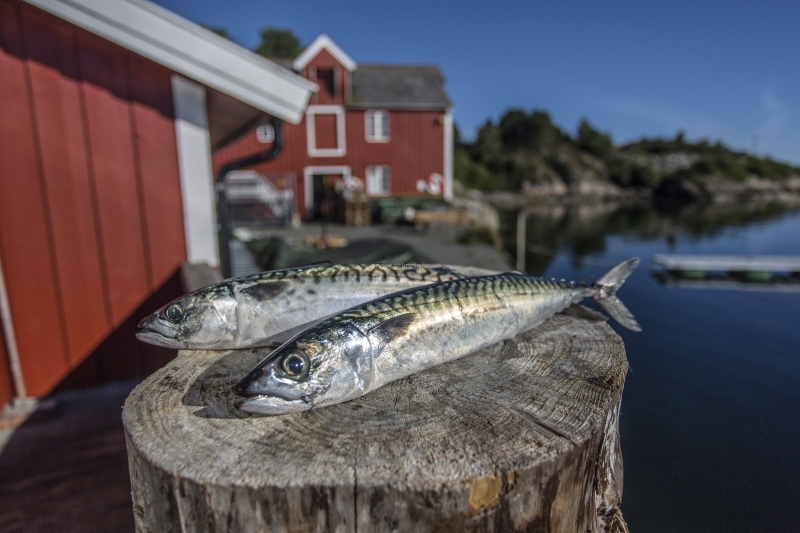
(153, 113)
(61, 136)
(90, 206)
(325, 61)
(25, 244)
(111, 144)
(414, 152)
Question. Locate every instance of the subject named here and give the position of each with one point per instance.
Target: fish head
(205, 319)
(323, 365)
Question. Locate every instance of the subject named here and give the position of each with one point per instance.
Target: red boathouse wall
(91, 222)
(414, 151)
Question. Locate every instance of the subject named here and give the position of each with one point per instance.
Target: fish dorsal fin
(447, 269)
(514, 273)
(312, 265)
(393, 327)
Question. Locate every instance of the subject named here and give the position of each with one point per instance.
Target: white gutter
(190, 50)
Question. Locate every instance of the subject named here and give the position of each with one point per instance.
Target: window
(327, 85)
(377, 126)
(379, 180)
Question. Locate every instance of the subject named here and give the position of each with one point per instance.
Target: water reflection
(582, 230)
(709, 423)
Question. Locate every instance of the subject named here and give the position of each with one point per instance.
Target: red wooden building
(385, 129)
(109, 113)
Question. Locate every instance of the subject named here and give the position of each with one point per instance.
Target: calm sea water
(710, 419)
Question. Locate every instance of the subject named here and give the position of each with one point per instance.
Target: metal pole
(522, 218)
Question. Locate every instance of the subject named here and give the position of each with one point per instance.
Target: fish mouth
(264, 404)
(152, 332)
(153, 337)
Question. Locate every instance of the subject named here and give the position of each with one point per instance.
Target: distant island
(525, 158)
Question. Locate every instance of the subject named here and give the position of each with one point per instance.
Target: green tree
(278, 43)
(512, 128)
(593, 141)
(488, 143)
(542, 134)
(535, 131)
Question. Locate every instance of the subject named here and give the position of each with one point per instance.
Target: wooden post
(519, 437)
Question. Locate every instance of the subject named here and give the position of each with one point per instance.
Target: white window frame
(311, 133)
(369, 118)
(370, 179)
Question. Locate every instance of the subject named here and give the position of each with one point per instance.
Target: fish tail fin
(607, 294)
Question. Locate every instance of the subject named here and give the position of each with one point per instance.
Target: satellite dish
(435, 183)
(265, 133)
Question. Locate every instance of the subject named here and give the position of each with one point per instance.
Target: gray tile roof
(398, 87)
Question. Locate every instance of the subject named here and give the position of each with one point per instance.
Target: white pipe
(11, 339)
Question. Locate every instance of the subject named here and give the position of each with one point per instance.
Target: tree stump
(521, 436)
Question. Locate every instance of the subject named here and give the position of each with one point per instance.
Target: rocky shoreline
(718, 191)
(592, 192)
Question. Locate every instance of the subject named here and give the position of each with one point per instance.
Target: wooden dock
(728, 263)
(728, 282)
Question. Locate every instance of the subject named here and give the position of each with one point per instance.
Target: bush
(475, 175)
(627, 173)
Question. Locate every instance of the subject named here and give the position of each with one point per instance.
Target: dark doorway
(327, 201)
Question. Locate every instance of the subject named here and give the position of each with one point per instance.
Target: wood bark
(521, 436)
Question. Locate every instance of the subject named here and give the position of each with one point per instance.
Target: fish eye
(295, 364)
(174, 312)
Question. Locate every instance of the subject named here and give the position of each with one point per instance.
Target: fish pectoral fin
(393, 327)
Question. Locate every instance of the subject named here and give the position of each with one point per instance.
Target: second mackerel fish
(270, 307)
(358, 350)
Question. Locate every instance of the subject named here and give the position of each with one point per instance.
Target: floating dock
(728, 282)
(728, 263)
(742, 272)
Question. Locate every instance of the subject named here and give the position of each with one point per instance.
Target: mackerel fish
(358, 350)
(270, 307)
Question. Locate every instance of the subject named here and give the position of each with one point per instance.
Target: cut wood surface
(521, 436)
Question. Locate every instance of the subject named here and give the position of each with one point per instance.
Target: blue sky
(728, 71)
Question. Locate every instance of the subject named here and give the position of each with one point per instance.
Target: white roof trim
(323, 41)
(186, 48)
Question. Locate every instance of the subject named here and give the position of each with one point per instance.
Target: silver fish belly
(367, 346)
(272, 306)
